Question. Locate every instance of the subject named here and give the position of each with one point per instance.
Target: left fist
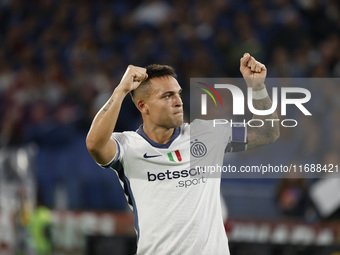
(253, 72)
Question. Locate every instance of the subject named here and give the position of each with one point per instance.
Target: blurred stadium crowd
(60, 60)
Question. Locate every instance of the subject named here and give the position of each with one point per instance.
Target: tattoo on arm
(269, 132)
(107, 107)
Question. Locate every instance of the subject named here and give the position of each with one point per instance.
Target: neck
(158, 134)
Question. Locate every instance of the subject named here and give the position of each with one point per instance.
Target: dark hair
(157, 71)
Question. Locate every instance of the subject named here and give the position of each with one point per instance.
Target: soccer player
(176, 207)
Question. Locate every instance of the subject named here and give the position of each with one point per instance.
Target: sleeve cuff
(238, 138)
(239, 133)
(114, 159)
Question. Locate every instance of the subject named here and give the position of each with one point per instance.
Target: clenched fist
(253, 72)
(132, 78)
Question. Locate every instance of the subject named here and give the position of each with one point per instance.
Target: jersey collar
(176, 133)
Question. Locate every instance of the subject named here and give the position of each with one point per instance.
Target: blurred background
(59, 63)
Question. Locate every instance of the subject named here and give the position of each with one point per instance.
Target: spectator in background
(292, 197)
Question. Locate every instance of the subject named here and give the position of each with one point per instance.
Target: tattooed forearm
(269, 132)
(107, 107)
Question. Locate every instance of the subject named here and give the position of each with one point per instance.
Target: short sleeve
(117, 137)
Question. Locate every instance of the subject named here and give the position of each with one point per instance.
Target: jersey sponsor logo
(150, 156)
(198, 149)
(192, 177)
(175, 156)
(173, 175)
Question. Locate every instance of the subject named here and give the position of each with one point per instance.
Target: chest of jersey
(178, 166)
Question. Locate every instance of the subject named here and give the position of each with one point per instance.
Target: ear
(142, 106)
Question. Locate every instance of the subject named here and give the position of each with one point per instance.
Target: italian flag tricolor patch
(175, 156)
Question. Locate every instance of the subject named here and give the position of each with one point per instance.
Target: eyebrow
(172, 92)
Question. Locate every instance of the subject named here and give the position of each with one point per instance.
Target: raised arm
(98, 140)
(254, 74)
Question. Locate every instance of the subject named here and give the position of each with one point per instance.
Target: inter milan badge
(198, 149)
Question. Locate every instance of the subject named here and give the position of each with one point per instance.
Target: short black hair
(157, 71)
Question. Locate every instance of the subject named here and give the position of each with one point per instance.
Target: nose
(178, 101)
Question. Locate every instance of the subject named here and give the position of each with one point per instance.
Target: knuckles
(136, 69)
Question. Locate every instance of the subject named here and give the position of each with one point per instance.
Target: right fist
(132, 78)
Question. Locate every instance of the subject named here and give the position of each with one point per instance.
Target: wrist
(258, 87)
(120, 92)
(260, 94)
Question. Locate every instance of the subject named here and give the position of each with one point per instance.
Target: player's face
(164, 103)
